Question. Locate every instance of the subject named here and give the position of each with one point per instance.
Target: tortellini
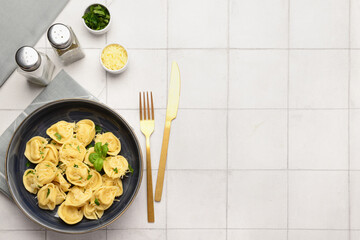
(69, 214)
(116, 167)
(45, 172)
(72, 150)
(112, 141)
(78, 196)
(35, 149)
(61, 131)
(77, 173)
(29, 181)
(47, 196)
(64, 175)
(85, 131)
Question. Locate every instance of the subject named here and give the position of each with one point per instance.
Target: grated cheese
(114, 57)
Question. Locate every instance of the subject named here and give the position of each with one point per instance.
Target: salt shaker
(35, 66)
(65, 43)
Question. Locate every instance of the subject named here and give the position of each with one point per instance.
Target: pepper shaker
(65, 43)
(34, 65)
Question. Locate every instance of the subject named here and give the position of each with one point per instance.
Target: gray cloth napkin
(62, 86)
(23, 23)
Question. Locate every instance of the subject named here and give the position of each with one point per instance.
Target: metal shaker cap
(28, 58)
(59, 36)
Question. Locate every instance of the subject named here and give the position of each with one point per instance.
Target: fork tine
(152, 106)
(140, 106)
(144, 106)
(148, 108)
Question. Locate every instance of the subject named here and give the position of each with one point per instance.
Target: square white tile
(196, 234)
(7, 117)
(139, 24)
(318, 200)
(196, 199)
(136, 234)
(257, 139)
(318, 79)
(355, 79)
(132, 117)
(100, 234)
(198, 24)
(354, 139)
(136, 216)
(354, 19)
(72, 16)
(319, 24)
(354, 200)
(354, 235)
(20, 235)
(202, 145)
(147, 71)
(258, 78)
(87, 71)
(203, 77)
(258, 24)
(258, 234)
(17, 92)
(257, 199)
(318, 235)
(18, 220)
(318, 139)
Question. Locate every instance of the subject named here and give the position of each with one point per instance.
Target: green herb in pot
(96, 17)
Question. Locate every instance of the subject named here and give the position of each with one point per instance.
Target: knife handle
(162, 164)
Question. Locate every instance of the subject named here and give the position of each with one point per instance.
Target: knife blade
(171, 113)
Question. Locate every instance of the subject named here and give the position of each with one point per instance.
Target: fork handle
(162, 164)
(150, 197)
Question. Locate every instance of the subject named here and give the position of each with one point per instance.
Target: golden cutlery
(171, 112)
(147, 125)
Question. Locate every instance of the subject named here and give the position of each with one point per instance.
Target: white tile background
(266, 143)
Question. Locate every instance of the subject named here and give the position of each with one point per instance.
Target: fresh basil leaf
(98, 164)
(93, 157)
(48, 192)
(28, 164)
(96, 202)
(105, 149)
(76, 166)
(58, 136)
(98, 148)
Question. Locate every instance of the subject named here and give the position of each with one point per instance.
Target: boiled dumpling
(95, 180)
(85, 131)
(112, 141)
(61, 131)
(47, 197)
(70, 214)
(29, 181)
(113, 182)
(59, 178)
(72, 150)
(45, 172)
(52, 154)
(116, 166)
(78, 196)
(91, 212)
(35, 150)
(104, 197)
(60, 196)
(77, 173)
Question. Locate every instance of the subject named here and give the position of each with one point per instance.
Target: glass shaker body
(65, 43)
(35, 66)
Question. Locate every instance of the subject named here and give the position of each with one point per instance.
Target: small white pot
(102, 31)
(119, 70)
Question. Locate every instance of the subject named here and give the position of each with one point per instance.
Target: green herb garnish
(59, 163)
(97, 17)
(98, 129)
(28, 164)
(32, 172)
(115, 170)
(58, 136)
(48, 192)
(78, 148)
(131, 169)
(80, 178)
(96, 202)
(53, 143)
(47, 165)
(89, 176)
(89, 146)
(76, 166)
(97, 158)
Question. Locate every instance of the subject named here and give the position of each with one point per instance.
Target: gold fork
(147, 125)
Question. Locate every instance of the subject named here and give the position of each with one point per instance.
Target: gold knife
(171, 111)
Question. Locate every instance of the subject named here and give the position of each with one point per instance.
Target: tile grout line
(349, 128)
(287, 125)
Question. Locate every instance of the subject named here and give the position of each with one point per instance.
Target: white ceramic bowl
(102, 31)
(119, 70)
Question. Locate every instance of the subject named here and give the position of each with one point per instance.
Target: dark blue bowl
(71, 110)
